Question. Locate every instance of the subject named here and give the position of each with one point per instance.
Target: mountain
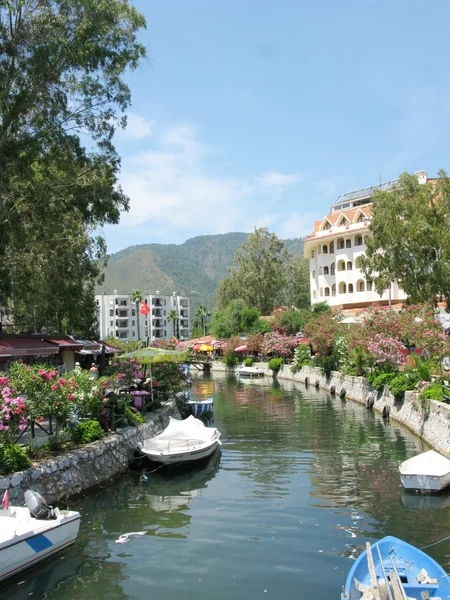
(197, 264)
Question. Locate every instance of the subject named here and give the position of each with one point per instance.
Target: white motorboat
(249, 372)
(182, 442)
(427, 472)
(200, 407)
(31, 533)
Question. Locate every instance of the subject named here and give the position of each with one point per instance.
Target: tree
(410, 239)
(258, 273)
(173, 316)
(203, 314)
(61, 75)
(297, 290)
(137, 298)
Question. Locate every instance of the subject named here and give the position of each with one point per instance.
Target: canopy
(429, 463)
(240, 349)
(151, 356)
(203, 348)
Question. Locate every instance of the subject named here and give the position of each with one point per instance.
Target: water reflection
(415, 501)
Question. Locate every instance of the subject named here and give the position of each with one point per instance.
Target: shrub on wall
(275, 364)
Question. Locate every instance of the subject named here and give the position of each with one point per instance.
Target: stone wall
(432, 427)
(78, 470)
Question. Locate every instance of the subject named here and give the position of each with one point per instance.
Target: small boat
(200, 407)
(248, 372)
(391, 569)
(31, 533)
(427, 472)
(182, 442)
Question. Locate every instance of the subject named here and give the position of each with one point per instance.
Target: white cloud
(276, 179)
(175, 191)
(138, 127)
(297, 225)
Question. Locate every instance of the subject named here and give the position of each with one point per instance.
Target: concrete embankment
(431, 426)
(77, 470)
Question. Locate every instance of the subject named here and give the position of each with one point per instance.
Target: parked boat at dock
(391, 569)
(29, 534)
(248, 372)
(182, 442)
(200, 407)
(426, 472)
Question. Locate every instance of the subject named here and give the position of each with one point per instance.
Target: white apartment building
(117, 316)
(334, 250)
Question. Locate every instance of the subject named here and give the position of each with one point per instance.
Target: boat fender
(386, 412)
(370, 402)
(317, 384)
(306, 381)
(342, 393)
(333, 390)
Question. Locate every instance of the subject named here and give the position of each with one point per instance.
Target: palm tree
(203, 313)
(173, 316)
(137, 298)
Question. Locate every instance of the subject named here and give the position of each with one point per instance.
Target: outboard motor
(38, 506)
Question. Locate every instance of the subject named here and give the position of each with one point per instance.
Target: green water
(302, 481)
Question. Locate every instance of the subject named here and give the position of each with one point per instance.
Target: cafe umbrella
(153, 356)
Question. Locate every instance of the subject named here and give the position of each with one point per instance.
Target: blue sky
(255, 112)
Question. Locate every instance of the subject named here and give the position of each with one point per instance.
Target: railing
(185, 443)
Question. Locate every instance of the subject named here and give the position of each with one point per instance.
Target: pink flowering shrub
(384, 351)
(276, 344)
(126, 371)
(13, 412)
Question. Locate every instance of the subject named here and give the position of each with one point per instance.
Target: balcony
(157, 324)
(157, 313)
(122, 324)
(184, 323)
(183, 313)
(184, 303)
(157, 302)
(122, 313)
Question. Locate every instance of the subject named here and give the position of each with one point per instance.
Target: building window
(342, 288)
(333, 269)
(350, 288)
(361, 287)
(146, 333)
(332, 248)
(319, 250)
(325, 249)
(133, 334)
(133, 312)
(349, 266)
(320, 270)
(97, 302)
(111, 323)
(146, 322)
(348, 243)
(313, 276)
(358, 262)
(359, 240)
(321, 291)
(341, 244)
(111, 313)
(327, 291)
(325, 271)
(312, 253)
(133, 323)
(314, 294)
(333, 289)
(369, 287)
(341, 265)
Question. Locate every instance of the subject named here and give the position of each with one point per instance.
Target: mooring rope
(434, 543)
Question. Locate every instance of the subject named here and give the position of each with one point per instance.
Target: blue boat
(200, 407)
(391, 569)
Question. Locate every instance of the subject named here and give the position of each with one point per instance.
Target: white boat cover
(429, 463)
(179, 433)
(249, 370)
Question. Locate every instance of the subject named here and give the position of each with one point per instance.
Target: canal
(303, 480)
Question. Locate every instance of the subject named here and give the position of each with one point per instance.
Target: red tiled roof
(65, 343)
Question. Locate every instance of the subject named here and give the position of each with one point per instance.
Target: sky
(251, 113)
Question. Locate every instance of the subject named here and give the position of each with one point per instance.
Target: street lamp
(203, 316)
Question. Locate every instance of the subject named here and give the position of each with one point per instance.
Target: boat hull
(425, 483)
(408, 561)
(183, 457)
(200, 407)
(25, 552)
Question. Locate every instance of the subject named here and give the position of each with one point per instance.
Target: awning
(88, 347)
(65, 343)
(111, 349)
(26, 347)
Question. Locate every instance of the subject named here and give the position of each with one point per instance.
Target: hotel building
(117, 316)
(334, 251)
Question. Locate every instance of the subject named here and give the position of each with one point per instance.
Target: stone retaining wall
(78, 470)
(432, 427)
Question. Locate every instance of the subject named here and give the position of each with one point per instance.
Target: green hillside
(197, 264)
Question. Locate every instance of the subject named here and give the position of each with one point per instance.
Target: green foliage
(378, 380)
(355, 361)
(134, 417)
(291, 322)
(403, 382)
(249, 318)
(320, 307)
(302, 356)
(13, 458)
(231, 359)
(60, 78)
(275, 364)
(248, 362)
(137, 298)
(85, 432)
(433, 392)
(417, 214)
